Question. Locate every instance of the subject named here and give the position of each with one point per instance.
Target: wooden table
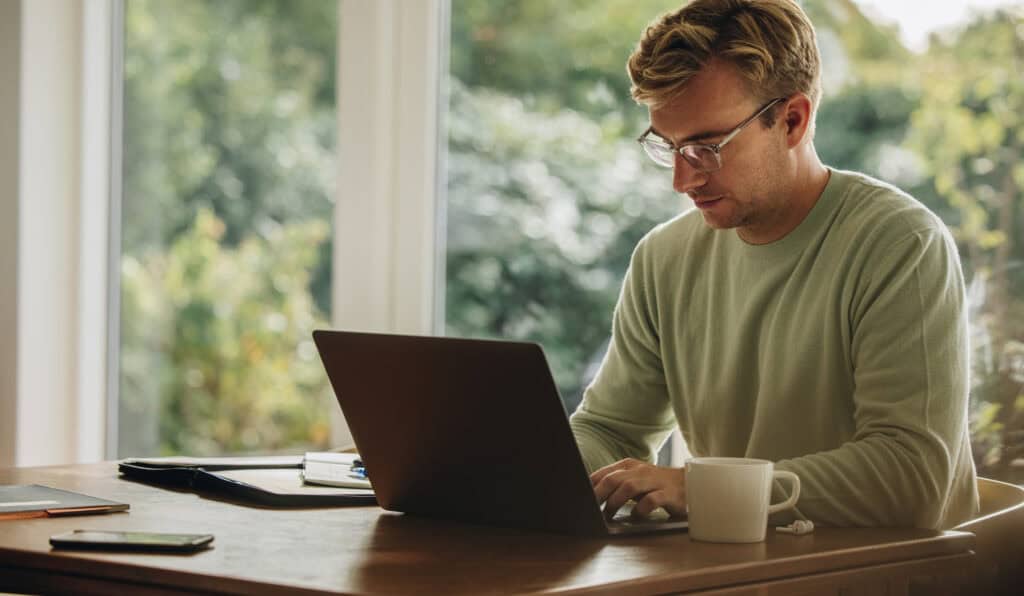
(364, 550)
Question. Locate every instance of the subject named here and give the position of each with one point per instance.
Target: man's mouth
(705, 203)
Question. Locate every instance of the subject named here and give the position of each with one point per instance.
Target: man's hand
(650, 486)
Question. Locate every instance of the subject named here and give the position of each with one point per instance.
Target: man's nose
(685, 177)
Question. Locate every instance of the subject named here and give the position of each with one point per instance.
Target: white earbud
(800, 526)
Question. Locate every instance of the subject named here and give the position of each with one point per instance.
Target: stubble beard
(739, 215)
(765, 206)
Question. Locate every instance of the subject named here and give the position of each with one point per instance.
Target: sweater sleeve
(625, 411)
(910, 362)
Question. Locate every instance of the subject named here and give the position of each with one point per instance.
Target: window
(229, 173)
(225, 268)
(548, 193)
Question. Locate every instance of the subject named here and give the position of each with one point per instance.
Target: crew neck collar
(799, 235)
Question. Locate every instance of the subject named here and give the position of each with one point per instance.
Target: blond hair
(770, 42)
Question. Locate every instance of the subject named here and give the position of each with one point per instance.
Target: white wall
(53, 302)
(48, 214)
(10, 69)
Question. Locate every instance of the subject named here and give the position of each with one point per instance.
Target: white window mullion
(114, 172)
(386, 242)
(94, 232)
(386, 210)
(418, 162)
(364, 208)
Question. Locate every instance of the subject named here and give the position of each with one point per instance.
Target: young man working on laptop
(799, 314)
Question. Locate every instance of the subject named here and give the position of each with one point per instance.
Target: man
(800, 314)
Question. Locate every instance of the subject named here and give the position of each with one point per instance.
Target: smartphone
(131, 541)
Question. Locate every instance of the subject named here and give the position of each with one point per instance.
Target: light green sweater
(839, 352)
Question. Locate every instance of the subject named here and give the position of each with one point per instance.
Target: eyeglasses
(702, 157)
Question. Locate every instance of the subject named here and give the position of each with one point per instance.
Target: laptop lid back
(461, 429)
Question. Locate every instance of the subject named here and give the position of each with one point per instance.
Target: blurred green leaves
(228, 105)
(229, 171)
(969, 131)
(218, 340)
(229, 165)
(543, 213)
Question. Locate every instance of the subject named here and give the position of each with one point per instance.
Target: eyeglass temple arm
(744, 124)
(649, 130)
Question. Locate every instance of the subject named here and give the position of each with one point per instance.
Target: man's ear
(797, 118)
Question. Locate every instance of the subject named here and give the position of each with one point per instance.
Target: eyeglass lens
(700, 157)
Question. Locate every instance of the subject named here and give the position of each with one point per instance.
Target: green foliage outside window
(229, 169)
(944, 125)
(969, 128)
(218, 341)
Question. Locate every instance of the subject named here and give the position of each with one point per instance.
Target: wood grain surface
(365, 550)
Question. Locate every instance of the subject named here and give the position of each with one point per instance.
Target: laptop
(466, 430)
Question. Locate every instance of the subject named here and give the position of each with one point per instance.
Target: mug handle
(791, 501)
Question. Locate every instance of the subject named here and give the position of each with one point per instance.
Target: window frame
(388, 245)
(388, 255)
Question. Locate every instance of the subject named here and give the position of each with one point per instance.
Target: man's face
(748, 191)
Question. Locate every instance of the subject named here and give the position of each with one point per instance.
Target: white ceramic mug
(728, 498)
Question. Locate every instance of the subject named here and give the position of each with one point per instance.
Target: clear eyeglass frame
(703, 157)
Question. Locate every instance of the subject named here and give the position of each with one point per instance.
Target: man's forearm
(604, 441)
(892, 479)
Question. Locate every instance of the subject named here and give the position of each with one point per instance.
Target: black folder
(267, 481)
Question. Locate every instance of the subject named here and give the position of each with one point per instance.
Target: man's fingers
(618, 488)
(617, 499)
(608, 485)
(673, 504)
(650, 486)
(622, 464)
(630, 479)
(651, 501)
